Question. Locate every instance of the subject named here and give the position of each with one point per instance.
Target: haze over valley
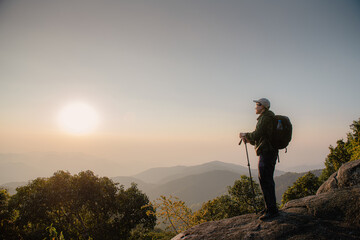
(192, 184)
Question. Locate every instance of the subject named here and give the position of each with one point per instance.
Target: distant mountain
(196, 189)
(24, 167)
(11, 186)
(193, 184)
(155, 175)
(127, 181)
(13, 169)
(208, 167)
(283, 182)
(166, 174)
(305, 168)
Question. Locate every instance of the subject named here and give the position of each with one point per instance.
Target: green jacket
(264, 129)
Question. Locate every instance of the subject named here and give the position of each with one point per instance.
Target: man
(267, 155)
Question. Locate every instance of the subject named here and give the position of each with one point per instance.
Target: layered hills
(192, 184)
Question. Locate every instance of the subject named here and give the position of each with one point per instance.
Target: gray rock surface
(348, 175)
(333, 213)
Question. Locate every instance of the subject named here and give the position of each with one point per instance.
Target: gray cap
(264, 101)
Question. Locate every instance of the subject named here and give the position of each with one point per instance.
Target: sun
(78, 118)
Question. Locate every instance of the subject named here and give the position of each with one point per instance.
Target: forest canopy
(81, 206)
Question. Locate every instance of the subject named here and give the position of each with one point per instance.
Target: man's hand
(243, 137)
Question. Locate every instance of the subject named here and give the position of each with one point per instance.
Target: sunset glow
(143, 84)
(78, 118)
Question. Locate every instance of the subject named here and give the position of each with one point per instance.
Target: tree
(304, 186)
(240, 200)
(354, 140)
(4, 213)
(217, 209)
(173, 213)
(178, 217)
(82, 206)
(53, 234)
(338, 155)
(7, 228)
(343, 152)
(243, 195)
(139, 233)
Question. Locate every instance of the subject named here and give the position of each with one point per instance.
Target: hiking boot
(269, 215)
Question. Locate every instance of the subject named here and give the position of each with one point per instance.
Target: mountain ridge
(189, 186)
(165, 174)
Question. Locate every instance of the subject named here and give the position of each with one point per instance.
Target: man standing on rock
(267, 155)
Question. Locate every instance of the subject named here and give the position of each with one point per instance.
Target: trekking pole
(251, 182)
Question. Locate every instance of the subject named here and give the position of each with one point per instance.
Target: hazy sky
(173, 81)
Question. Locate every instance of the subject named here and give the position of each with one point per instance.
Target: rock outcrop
(333, 213)
(347, 176)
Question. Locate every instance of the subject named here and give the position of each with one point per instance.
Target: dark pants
(266, 166)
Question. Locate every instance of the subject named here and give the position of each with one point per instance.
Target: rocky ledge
(333, 213)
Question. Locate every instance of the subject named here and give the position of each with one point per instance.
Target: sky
(173, 82)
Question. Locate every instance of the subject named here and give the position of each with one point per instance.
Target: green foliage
(53, 235)
(304, 186)
(343, 152)
(140, 233)
(7, 216)
(82, 206)
(218, 208)
(240, 200)
(243, 195)
(355, 152)
(178, 217)
(354, 140)
(338, 156)
(4, 199)
(173, 213)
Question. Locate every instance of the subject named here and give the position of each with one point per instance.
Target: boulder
(348, 175)
(333, 213)
(288, 225)
(342, 205)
